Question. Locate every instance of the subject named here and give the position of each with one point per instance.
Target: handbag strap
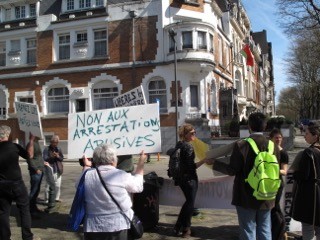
(105, 187)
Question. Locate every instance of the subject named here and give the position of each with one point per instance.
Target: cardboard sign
(29, 118)
(131, 98)
(128, 129)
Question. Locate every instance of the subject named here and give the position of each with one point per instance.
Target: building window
(7, 16)
(187, 39)
(82, 37)
(194, 96)
(238, 83)
(202, 41)
(3, 107)
(211, 43)
(213, 95)
(31, 50)
(80, 105)
(64, 47)
(20, 12)
(100, 43)
(25, 99)
(32, 10)
(158, 93)
(58, 100)
(15, 46)
(84, 3)
(220, 46)
(171, 44)
(70, 5)
(103, 97)
(2, 53)
(99, 3)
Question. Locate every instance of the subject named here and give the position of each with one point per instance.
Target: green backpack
(264, 177)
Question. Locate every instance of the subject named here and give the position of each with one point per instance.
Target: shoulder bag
(136, 228)
(78, 207)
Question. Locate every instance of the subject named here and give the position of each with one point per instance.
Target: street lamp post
(172, 34)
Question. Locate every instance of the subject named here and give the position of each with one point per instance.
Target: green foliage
(277, 122)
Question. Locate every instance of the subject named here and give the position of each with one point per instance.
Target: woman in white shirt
(104, 220)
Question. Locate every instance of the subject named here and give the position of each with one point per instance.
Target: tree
(298, 16)
(287, 106)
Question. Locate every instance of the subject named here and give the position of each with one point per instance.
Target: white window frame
(32, 10)
(3, 104)
(3, 53)
(104, 90)
(194, 98)
(70, 5)
(99, 3)
(64, 45)
(158, 93)
(31, 51)
(186, 42)
(20, 12)
(56, 98)
(82, 37)
(202, 40)
(8, 14)
(83, 4)
(98, 41)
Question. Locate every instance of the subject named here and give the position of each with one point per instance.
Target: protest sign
(128, 129)
(131, 98)
(29, 118)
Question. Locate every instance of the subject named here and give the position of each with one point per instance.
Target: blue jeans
(35, 183)
(254, 224)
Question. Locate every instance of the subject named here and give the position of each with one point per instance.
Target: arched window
(58, 100)
(103, 94)
(158, 92)
(3, 107)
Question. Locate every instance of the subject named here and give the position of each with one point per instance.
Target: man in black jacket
(253, 215)
(12, 187)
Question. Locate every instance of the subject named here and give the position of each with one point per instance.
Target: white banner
(29, 118)
(128, 129)
(212, 193)
(131, 98)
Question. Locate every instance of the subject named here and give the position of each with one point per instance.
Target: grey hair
(4, 131)
(55, 138)
(104, 154)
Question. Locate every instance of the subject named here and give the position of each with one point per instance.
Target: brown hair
(314, 130)
(184, 130)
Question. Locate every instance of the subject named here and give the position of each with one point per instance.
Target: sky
(262, 15)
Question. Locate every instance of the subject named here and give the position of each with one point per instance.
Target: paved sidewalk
(209, 224)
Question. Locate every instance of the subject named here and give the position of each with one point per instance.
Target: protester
(253, 215)
(12, 187)
(104, 219)
(277, 217)
(35, 167)
(53, 157)
(306, 195)
(189, 181)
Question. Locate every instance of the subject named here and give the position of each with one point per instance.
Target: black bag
(174, 167)
(136, 228)
(278, 224)
(60, 167)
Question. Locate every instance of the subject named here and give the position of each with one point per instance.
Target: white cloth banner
(128, 129)
(29, 118)
(212, 193)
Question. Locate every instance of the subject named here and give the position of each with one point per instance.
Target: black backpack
(174, 166)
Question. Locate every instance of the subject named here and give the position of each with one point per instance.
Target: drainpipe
(133, 15)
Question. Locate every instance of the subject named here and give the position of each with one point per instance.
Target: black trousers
(121, 235)
(14, 191)
(189, 189)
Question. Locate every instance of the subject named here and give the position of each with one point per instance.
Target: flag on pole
(200, 149)
(246, 52)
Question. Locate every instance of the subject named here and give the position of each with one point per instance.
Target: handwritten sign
(29, 118)
(128, 129)
(132, 98)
